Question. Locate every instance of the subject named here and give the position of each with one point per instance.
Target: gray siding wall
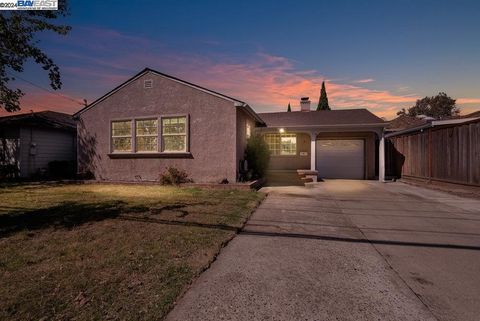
(212, 130)
(51, 145)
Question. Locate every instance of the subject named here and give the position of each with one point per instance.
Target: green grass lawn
(108, 252)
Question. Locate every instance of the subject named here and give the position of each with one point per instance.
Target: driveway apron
(346, 250)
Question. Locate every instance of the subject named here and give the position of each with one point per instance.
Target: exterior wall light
(281, 130)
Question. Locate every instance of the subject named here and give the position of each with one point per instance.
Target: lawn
(109, 252)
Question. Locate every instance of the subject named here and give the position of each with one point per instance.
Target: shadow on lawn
(68, 214)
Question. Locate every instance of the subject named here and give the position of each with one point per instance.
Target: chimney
(305, 104)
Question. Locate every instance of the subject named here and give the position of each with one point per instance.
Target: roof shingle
(320, 117)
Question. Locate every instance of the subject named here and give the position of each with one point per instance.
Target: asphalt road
(346, 250)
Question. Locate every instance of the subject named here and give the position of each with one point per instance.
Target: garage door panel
(341, 158)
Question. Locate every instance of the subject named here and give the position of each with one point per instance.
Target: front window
(248, 130)
(122, 136)
(282, 144)
(174, 134)
(146, 135)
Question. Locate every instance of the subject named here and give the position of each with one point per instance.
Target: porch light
(281, 130)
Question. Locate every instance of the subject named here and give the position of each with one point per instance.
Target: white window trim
(280, 144)
(186, 134)
(112, 146)
(146, 135)
(160, 144)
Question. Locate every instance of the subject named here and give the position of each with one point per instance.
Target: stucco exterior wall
(212, 132)
(284, 162)
(242, 120)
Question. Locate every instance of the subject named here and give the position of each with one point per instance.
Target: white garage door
(341, 158)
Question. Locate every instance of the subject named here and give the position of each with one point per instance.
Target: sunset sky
(382, 55)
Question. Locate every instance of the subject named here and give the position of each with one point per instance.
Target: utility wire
(42, 88)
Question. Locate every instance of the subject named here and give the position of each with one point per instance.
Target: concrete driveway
(346, 250)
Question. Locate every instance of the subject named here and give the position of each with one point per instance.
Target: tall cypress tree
(323, 101)
(289, 108)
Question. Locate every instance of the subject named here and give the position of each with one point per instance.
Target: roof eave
(333, 126)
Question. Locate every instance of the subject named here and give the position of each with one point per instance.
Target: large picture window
(174, 134)
(122, 136)
(282, 144)
(146, 135)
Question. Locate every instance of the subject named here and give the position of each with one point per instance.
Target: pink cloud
(105, 58)
(364, 81)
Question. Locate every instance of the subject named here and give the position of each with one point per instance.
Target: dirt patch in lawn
(109, 252)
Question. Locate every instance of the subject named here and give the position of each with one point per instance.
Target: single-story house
(336, 143)
(154, 120)
(30, 142)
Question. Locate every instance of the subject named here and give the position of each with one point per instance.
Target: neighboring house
(443, 150)
(336, 143)
(404, 121)
(29, 142)
(154, 120)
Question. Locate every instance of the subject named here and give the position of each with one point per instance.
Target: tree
(17, 45)
(289, 108)
(257, 155)
(439, 107)
(323, 101)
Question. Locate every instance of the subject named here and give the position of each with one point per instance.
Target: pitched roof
(321, 118)
(47, 118)
(472, 115)
(147, 70)
(404, 122)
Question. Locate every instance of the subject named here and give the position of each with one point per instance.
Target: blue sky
(376, 54)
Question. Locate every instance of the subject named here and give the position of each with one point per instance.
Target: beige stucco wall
(212, 132)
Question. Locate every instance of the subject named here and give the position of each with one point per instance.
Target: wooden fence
(448, 153)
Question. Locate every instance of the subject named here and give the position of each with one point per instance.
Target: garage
(340, 158)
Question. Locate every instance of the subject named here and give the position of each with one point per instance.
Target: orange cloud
(468, 101)
(102, 59)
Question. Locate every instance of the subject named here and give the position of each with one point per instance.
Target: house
(404, 121)
(154, 120)
(30, 142)
(335, 143)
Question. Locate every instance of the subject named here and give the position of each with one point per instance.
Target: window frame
(279, 135)
(187, 134)
(135, 120)
(132, 128)
(133, 136)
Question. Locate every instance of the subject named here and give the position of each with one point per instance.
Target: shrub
(174, 176)
(9, 171)
(257, 155)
